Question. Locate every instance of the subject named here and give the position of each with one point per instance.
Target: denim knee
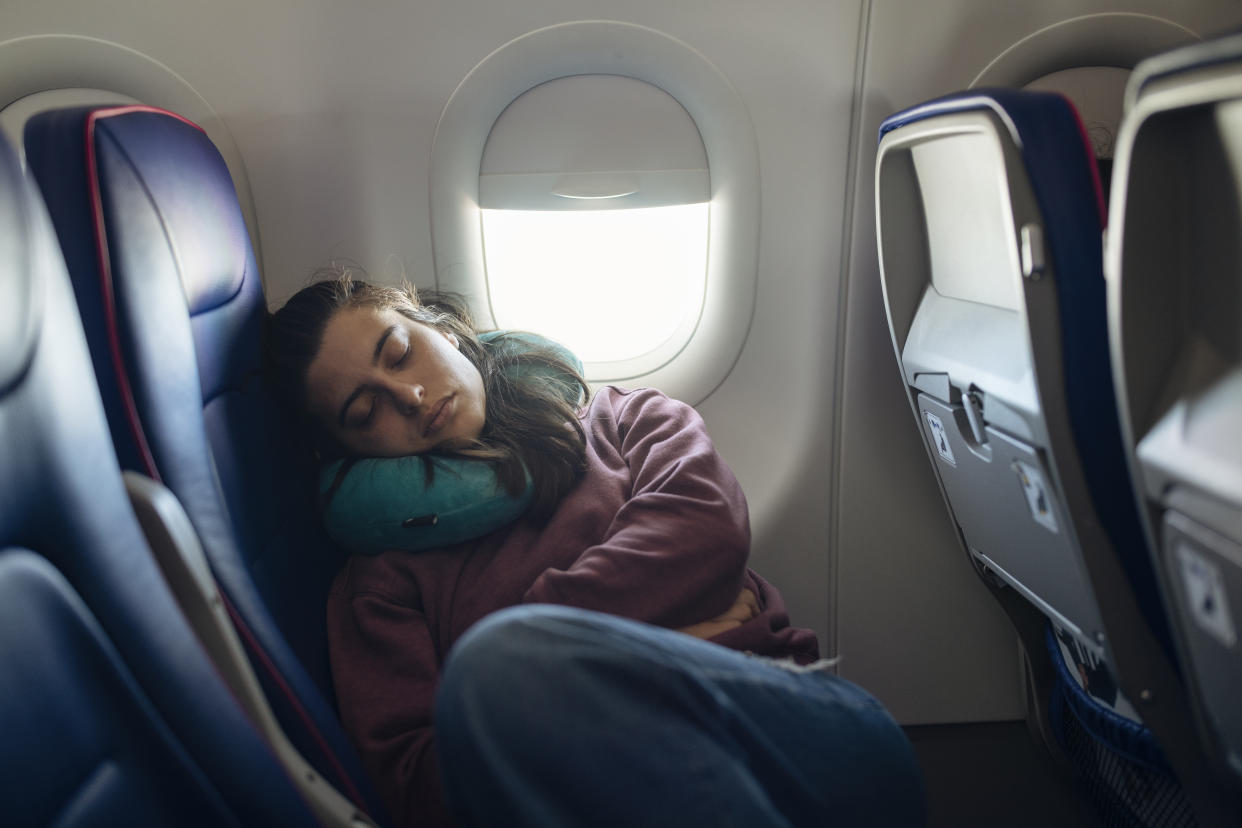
(555, 713)
(499, 666)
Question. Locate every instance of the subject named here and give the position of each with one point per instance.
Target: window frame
(693, 369)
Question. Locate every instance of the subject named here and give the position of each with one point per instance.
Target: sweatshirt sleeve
(675, 554)
(385, 671)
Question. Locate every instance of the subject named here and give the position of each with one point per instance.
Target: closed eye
(404, 356)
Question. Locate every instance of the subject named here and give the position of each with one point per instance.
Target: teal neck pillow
(380, 503)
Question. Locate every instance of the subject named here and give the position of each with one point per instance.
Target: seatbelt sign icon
(1205, 594)
(1038, 497)
(939, 438)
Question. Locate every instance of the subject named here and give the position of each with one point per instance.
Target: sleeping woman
(605, 659)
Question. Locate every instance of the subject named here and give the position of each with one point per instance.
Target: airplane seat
(989, 224)
(111, 711)
(1175, 315)
(174, 311)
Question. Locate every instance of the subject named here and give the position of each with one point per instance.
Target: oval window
(598, 182)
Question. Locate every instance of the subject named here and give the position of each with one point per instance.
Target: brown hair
(530, 426)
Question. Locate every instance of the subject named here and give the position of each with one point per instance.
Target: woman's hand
(744, 608)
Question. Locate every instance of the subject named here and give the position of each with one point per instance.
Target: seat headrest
(1186, 59)
(1044, 127)
(1015, 108)
(189, 188)
(20, 292)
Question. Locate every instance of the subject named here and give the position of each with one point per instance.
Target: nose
(408, 396)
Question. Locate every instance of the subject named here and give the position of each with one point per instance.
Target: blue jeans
(551, 716)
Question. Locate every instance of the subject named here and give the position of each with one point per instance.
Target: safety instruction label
(1205, 594)
(939, 437)
(1037, 497)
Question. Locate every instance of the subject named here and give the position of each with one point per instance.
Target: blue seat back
(990, 219)
(1003, 325)
(110, 711)
(160, 258)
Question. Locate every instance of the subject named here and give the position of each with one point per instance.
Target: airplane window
(594, 193)
(598, 182)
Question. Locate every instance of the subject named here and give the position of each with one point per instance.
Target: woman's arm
(384, 668)
(675, 554)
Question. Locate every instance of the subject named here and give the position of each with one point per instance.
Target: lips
(439, 416)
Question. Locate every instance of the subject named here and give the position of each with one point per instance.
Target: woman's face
(384, 385)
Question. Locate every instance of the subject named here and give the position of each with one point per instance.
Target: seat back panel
(954, 179)
(1009, 514)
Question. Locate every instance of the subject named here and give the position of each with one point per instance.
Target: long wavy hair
(530, 424)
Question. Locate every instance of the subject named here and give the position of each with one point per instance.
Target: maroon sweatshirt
(657, 530)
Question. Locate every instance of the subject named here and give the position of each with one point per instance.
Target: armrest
(179, 554)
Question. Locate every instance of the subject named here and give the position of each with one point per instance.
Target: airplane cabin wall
(333, 108)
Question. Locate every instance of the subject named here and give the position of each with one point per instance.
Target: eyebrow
(379, 349)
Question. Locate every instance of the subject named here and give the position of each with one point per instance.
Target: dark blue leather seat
(111, 713)
(159, 256)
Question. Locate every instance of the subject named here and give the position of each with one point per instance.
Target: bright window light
(610, 285)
